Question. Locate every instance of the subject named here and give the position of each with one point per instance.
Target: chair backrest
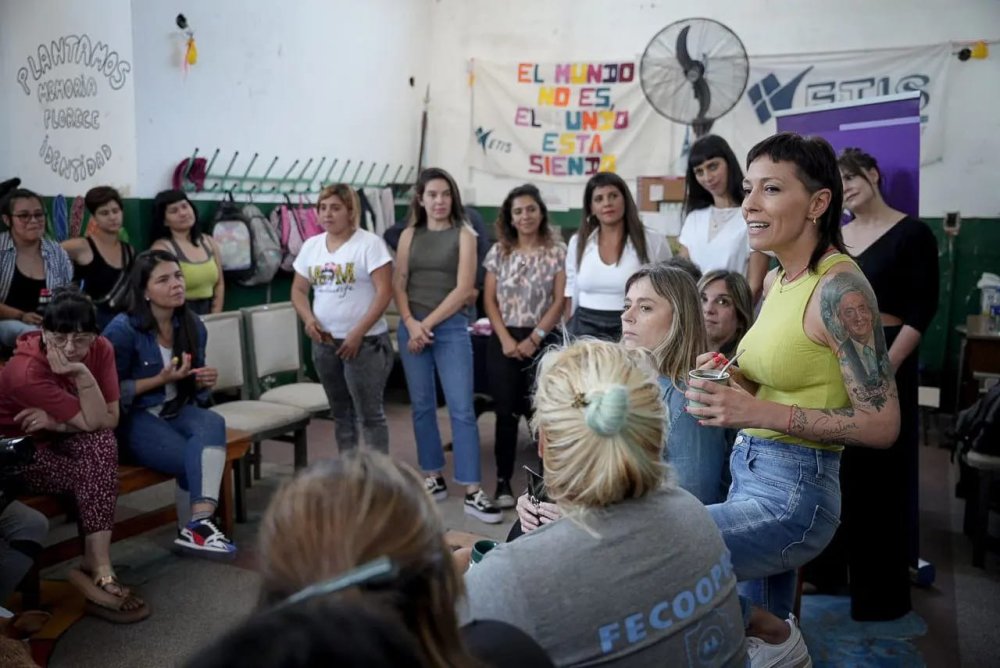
(224, 350)
(273, 341)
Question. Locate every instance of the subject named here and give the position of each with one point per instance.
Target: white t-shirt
(342, 285)
(728, 249)
(600, 286)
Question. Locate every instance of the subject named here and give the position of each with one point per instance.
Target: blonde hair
(598, 407)
(340, 514)
(345, 194)
(678, 351)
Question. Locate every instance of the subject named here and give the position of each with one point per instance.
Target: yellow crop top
(789, 367)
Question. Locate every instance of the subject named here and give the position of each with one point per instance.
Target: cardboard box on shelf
(653, 190)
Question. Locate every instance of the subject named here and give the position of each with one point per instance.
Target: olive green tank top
(433, 268)
(789, 367)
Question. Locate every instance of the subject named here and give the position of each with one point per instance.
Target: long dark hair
(816, 166)
(69, 312)
(159, 229)
(633, 224)
(185, 328)
(506, 232)
(418, 215)
(707, 148)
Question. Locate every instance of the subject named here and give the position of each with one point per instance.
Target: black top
(97, 278)
(902, 266)
(23, 294)
(501, 645)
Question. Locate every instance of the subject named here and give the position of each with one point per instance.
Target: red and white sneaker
(202, 538)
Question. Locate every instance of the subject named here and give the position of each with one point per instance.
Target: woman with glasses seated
(160, 356)
(29, 263)
(61, 388)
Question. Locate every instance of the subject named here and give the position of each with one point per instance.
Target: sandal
(122, 608)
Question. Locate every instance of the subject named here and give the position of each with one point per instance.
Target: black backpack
(978, 426)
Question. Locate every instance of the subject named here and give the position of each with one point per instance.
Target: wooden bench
(132, 479)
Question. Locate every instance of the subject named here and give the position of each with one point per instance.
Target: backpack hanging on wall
(293, 226)
(234, 239)
(267, 248)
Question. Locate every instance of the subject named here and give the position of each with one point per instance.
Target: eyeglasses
(27, 216)
(78, 340)
(375, 572)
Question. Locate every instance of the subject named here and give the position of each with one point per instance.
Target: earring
(814, 221)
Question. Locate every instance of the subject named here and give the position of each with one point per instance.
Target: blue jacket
(699, 455)
(137, 356)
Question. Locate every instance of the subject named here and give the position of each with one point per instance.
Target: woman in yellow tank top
(176, 230)
(815, 375)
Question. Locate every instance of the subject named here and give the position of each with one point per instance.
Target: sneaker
(203, 538)
(436, 487)
(479, 505)
(792, 652)
(504, 497)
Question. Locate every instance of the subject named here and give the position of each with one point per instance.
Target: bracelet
(791, 412)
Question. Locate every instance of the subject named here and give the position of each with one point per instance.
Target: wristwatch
(540, 333)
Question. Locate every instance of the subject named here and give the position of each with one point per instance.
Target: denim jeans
(11, 329)
(356, 389)
(451, 356)
(191, 447)
(782, 510)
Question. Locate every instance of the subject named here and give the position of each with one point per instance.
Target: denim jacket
(137, 356)
(699, 455)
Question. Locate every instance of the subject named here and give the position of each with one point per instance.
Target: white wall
(330, 78)
(37, 84)
(567, 30)
(311, 79)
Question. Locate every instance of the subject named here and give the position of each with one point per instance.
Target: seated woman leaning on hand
(61, 388)
(160, 355)
(656, 572)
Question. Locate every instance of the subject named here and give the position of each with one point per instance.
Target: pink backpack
(294, 225)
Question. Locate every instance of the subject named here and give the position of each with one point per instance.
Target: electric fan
(694, 71)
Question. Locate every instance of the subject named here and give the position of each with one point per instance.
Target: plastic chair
(263, 420)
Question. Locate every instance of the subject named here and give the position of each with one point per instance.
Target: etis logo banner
(562, 121)
(799, 81)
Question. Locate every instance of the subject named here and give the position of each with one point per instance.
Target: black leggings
(511, 383)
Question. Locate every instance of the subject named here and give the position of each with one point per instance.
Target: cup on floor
(479, 550)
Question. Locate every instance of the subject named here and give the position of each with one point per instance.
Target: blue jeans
(11, 329)
(191, 447)
(451, 356)
(782, 510)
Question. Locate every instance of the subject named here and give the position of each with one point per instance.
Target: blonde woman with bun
(635, 571)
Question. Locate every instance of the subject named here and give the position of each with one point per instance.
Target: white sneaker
(481, 506)
(792, 652)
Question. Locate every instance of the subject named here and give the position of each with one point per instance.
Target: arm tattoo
(850, 314)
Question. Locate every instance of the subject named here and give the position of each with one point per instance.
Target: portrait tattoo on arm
(850, 313)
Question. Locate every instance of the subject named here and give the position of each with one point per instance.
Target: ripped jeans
(782, 509)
